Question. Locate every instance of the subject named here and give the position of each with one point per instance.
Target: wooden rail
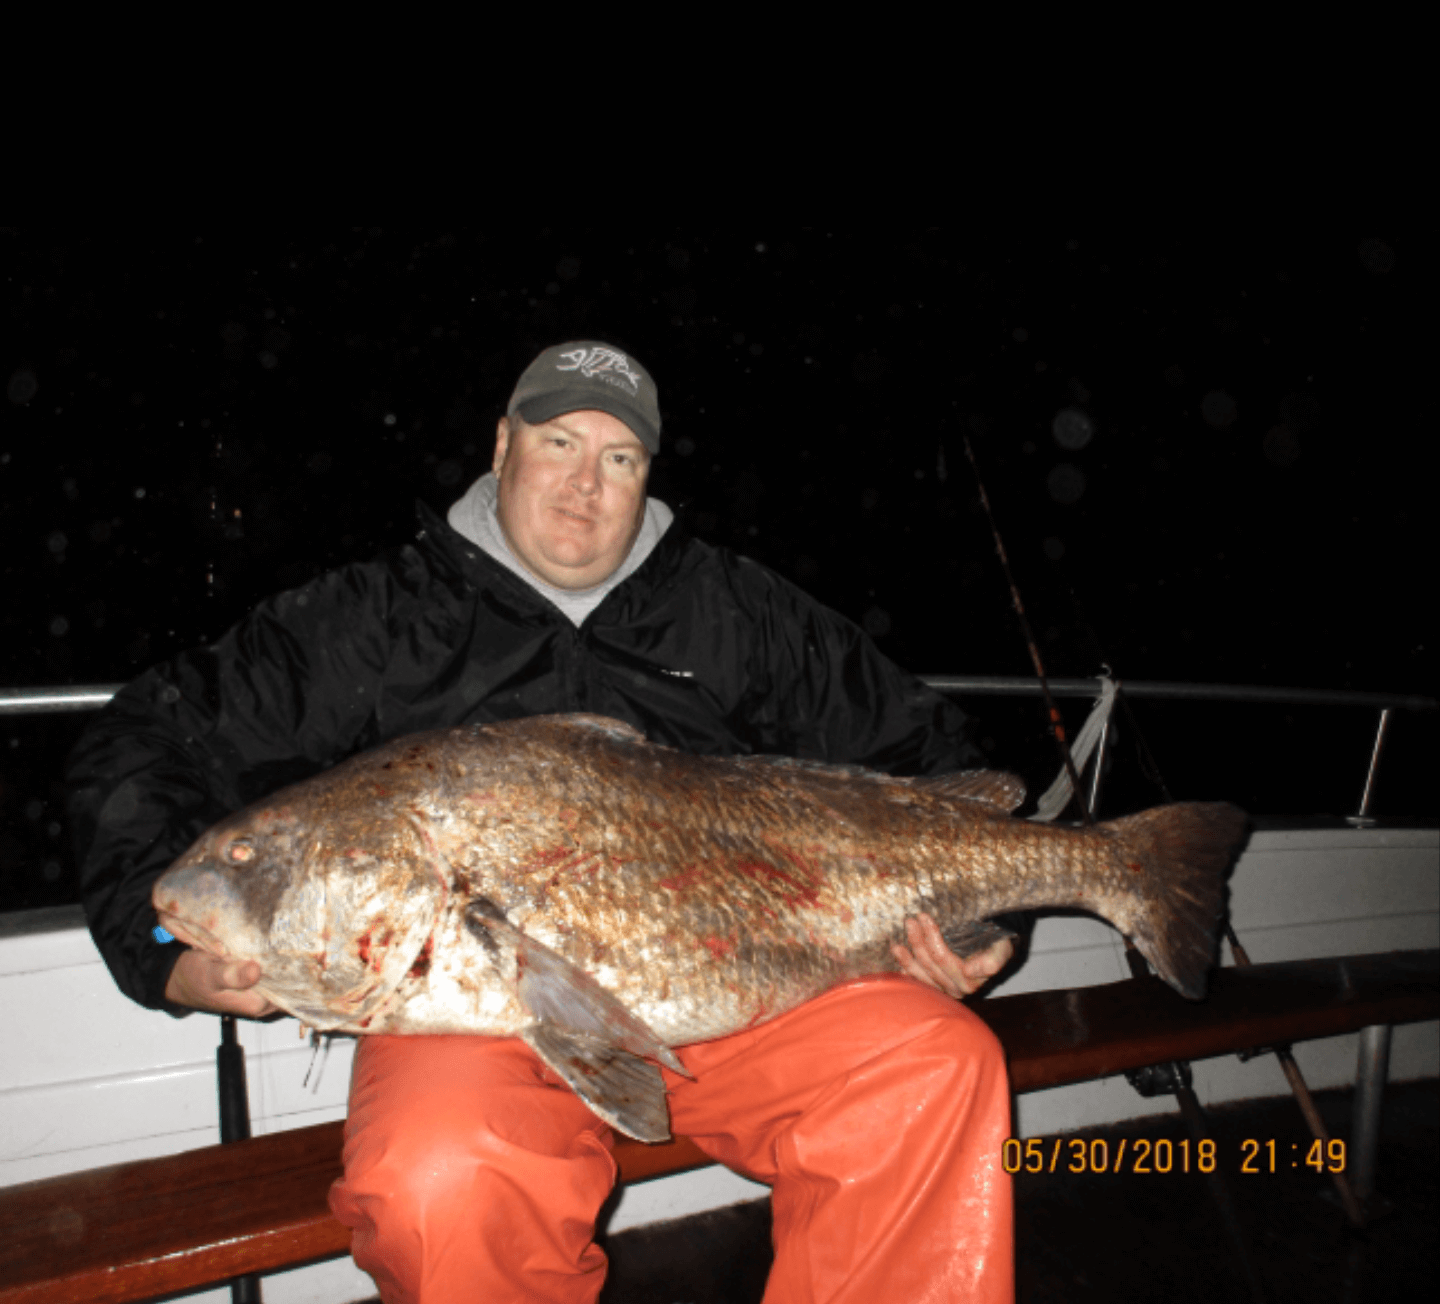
(133, 1231)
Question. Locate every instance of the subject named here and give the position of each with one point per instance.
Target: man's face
(572, 495)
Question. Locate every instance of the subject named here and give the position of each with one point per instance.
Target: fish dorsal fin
(992, 787)
(599, 724)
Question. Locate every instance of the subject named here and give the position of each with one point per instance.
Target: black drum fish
(561, 879)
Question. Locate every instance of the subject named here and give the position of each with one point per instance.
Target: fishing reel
(1160, 1079)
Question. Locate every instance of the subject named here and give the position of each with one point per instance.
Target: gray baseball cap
(589, 374)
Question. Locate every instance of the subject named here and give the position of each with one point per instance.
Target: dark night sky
(1242, 500)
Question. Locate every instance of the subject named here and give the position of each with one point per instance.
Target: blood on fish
(809, 867)
(687, 877)
(799, 894)
(719, 947)
(368, 948)
(422, 961)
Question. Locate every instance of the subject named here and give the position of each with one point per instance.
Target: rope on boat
(1057, 795)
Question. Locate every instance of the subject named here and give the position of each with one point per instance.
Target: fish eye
(241, 850)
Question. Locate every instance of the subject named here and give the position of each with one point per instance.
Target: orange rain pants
(876, 1112)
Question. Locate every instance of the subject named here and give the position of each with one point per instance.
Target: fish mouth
(200, 905)
(189, 932)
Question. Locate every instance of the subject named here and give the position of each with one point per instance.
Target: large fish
(561, 879)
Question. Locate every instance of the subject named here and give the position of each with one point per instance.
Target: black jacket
(701, 649)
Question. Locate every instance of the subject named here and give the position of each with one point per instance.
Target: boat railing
(91, 697)
(1384, 703)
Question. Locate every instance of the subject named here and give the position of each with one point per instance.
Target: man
(876, 1112)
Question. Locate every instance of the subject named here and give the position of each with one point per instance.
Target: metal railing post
(234, 1124)
(1371, 1072)
(1361, 818)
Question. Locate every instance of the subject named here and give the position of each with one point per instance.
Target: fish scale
(562, 879)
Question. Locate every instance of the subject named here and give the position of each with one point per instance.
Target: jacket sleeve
(820, 688)
(289, 690)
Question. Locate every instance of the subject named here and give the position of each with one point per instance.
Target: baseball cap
(589, 374)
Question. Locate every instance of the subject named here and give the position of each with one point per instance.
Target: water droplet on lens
(23, 386)
(1066, 483)
(1072, 428)
(1218, 409)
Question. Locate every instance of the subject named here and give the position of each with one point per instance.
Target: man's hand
(931, 961)
(204, 982)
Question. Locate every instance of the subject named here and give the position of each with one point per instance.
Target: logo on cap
(608, 365)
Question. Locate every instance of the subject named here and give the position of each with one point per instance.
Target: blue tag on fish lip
(161, 936)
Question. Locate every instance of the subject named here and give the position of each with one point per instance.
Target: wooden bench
(132, 1231)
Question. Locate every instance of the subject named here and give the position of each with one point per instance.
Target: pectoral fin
(971, 939)
(556, 992)
(623, 1089)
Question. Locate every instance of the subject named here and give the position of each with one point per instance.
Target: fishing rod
(1173, 1078)
(1057, 723)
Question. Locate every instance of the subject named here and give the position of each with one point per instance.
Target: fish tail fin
(1179, 856)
